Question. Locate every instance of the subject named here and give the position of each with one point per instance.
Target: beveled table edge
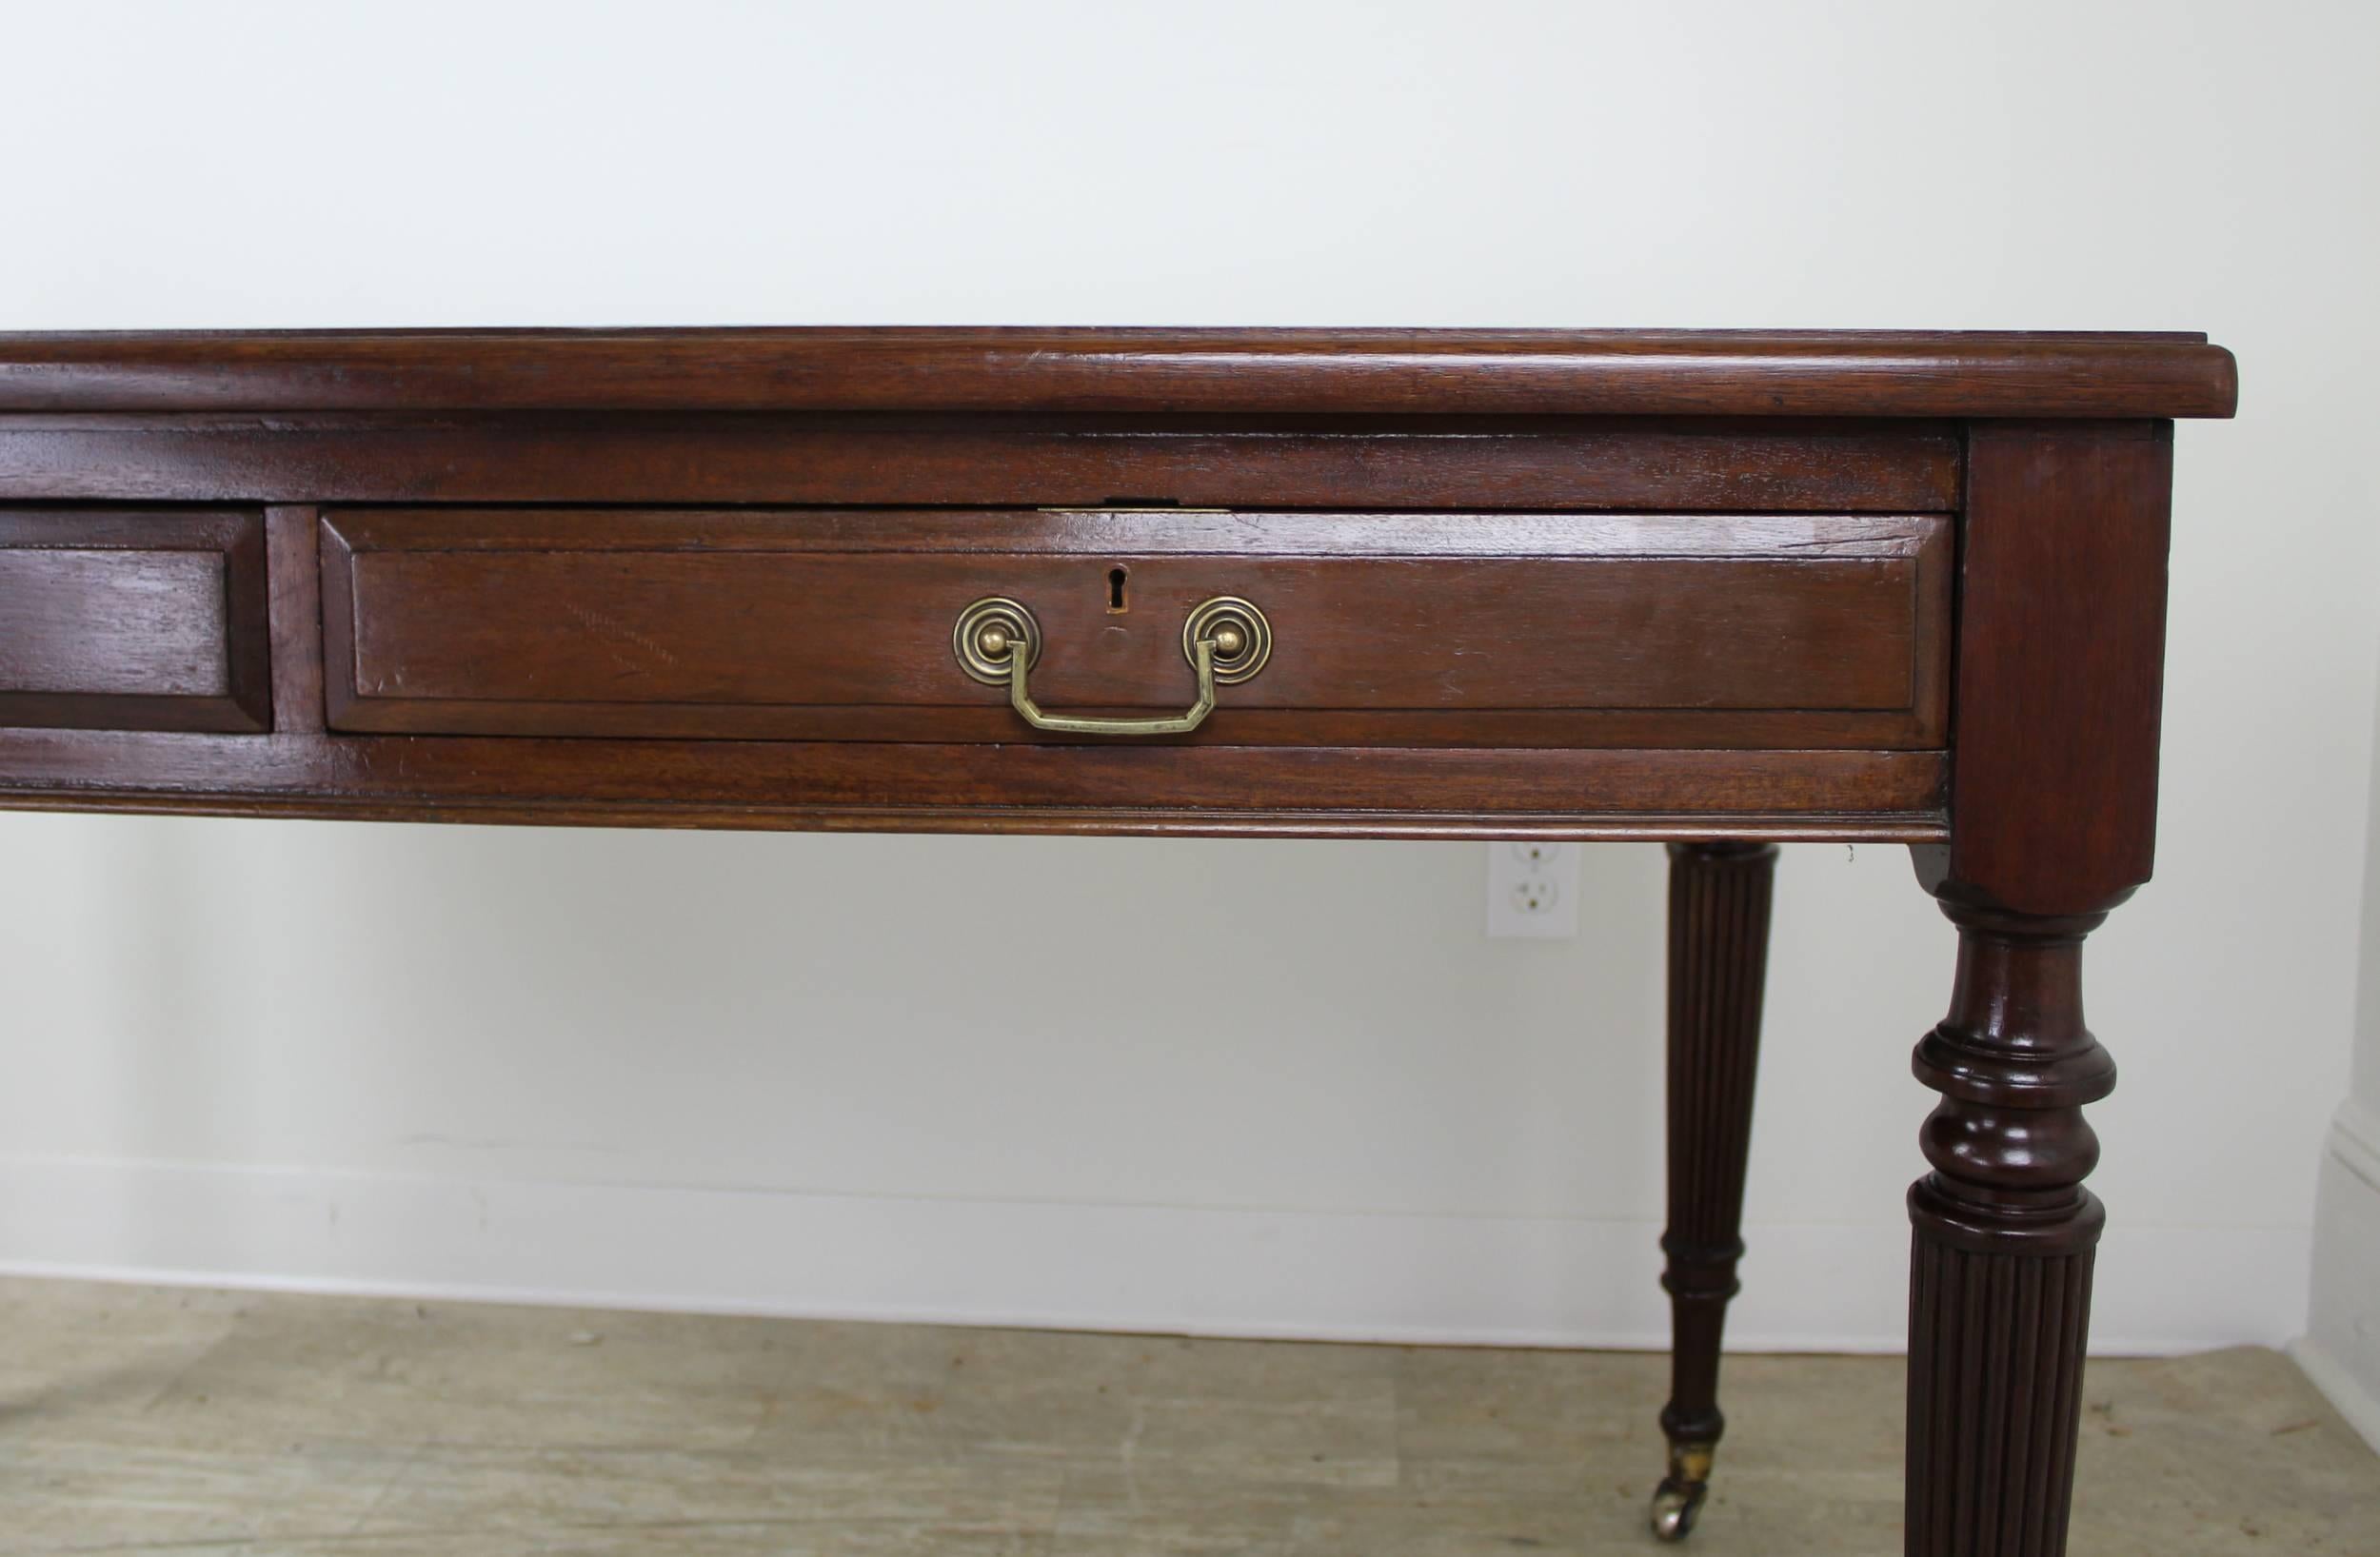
(1315, 372)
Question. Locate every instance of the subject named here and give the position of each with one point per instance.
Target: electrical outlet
(1531, 891)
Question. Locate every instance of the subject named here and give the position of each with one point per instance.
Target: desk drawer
(1386, 629)
(133, 619)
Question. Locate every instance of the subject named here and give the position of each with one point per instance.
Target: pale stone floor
(170, 1421)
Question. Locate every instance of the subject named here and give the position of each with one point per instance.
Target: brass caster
(1678, 1499)
(1675, 1505)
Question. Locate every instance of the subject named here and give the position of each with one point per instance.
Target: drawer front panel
(133, 620)
(1546, 630)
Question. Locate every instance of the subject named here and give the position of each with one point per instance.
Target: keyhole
(1116, 577)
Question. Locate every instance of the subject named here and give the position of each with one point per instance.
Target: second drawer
(1387, 629)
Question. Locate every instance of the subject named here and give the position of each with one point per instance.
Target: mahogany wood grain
(1366, 372)
(132, 621)
(1692, 587)
(2004, 1236)
(1895, 796)
(1100, 821)
(1719, 951)
(2060, 662)
(1396, 630)
(2061, 655)
(294, 575)
(992, 460)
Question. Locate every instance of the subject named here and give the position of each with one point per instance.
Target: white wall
(820, 1073)
(2341, 1349)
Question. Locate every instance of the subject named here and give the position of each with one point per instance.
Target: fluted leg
(2000, 1266)
(1718, 936)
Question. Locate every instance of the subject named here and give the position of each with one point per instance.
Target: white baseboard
(1171, 1269)
(2356, 1399)
(2341, 1349)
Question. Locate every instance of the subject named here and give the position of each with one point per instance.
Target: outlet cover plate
(1531, 891)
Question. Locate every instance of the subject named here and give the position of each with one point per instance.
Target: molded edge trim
(1301, 371)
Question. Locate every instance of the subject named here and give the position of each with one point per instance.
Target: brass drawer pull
(1225, 640)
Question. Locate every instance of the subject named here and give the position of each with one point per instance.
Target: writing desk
(1720, 589)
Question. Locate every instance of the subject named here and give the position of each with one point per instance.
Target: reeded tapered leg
(1718, 943)
(2000, 1266)
(2052, 813)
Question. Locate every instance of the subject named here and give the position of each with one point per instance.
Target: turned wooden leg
(1718, 943)
(2000, 1267)
(2053, 811)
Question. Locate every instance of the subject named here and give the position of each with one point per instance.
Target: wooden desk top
(1753, 373)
